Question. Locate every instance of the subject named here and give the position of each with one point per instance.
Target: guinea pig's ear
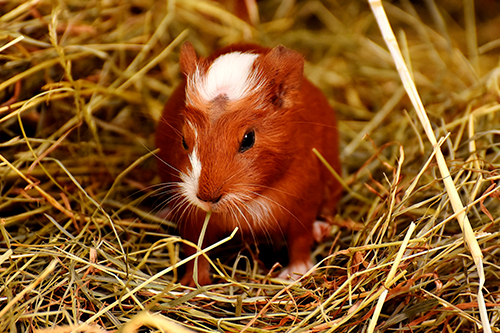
(188, 59)
(285, 68)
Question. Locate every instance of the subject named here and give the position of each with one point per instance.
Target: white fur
(230, 75)
(190, 180)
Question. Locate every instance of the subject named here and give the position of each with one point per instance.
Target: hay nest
(81, 86)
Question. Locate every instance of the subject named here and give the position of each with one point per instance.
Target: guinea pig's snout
(208, 201)
(209, 198)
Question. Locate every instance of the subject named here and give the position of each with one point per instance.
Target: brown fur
(290, 116)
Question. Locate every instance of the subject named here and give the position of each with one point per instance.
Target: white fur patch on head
(230, 75)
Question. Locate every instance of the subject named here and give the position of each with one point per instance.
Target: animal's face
(231, 160)
(236, 129)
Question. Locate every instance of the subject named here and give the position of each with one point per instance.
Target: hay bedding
(82, 250)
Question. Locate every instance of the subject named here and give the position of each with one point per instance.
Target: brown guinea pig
(236, 139)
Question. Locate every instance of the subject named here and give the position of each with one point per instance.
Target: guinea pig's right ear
(188, 59)
(285, 68)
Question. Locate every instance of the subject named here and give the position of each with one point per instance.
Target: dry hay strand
(81, 86)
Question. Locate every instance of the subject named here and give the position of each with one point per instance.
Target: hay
(81, 86)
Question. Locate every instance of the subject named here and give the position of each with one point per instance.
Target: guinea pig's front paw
(295, 270)
(321, 230)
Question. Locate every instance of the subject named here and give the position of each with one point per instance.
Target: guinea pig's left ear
(285, 69)
(188, 59)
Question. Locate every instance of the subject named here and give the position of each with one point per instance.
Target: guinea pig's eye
(247, 142)
(184, 144)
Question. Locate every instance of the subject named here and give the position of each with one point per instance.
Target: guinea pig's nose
(207, 198)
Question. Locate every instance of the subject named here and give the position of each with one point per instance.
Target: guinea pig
(236, 139)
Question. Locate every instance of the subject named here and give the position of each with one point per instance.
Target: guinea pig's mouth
(235, 206)
(209, 204)
(222, 204)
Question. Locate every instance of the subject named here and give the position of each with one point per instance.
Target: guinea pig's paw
(321, 230)
(295, 270)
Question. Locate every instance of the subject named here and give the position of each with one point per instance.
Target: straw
(84, 245)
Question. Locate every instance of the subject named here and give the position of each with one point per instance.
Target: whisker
(169, 165)
(265, 213)
(187, 206)
(236, 206)
(278, 204)
(266, 188)
(263, 221)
